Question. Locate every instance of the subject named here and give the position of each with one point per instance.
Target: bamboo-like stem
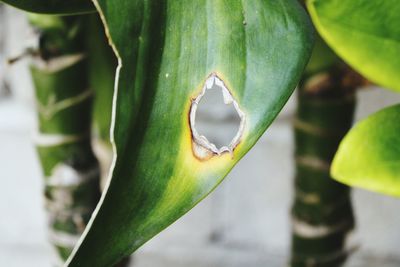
(322, 214)
(64, 103)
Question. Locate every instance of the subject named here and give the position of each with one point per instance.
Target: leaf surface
(168, 50)
(369, 156)
(365, 33)
(53, 6)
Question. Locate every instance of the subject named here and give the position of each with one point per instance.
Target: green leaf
(168, 50)
(53, 6)
(102, 64)
(369, 156)
(365, 33)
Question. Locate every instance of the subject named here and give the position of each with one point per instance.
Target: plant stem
(322, 214)
(64, 103)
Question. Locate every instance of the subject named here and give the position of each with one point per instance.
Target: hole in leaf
(216, 120)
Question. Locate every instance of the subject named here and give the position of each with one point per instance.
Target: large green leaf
(53, 6)
(168, 50)
(102, 64)
(369, 156)
(365, 33)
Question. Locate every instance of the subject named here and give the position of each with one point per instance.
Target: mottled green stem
(322, 214)
(64, 103)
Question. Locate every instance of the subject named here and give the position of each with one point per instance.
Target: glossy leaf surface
(53, 6)
(168, 50)
(365, 33)
(369, 156)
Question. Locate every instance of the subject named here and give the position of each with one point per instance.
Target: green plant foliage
(53, 6)
(369, 156)
(365, 33)
(167, 51)
(102, 65)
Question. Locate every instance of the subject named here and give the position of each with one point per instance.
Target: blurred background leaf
(53, 6)
(365, 33)
(369, 156)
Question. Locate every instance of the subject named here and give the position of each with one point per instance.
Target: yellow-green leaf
(365, 33)
(369, 156)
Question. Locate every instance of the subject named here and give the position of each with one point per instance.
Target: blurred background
(245, 222)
